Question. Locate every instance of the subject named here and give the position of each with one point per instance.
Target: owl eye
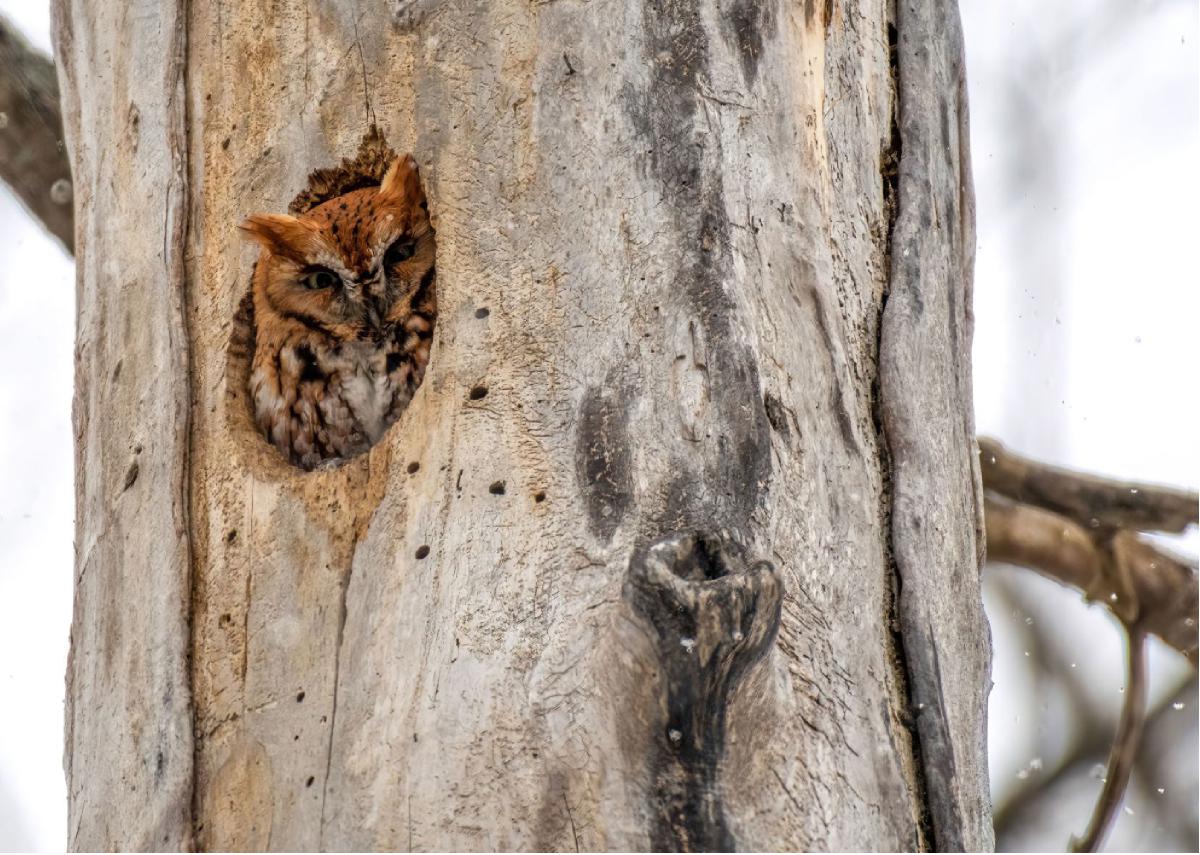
(400, 250)
(320, 279)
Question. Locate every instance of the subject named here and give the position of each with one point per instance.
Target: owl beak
(376, 312)
(372, 318)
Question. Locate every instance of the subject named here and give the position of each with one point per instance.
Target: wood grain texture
(128, 715)
(925, 402)
(663, 255)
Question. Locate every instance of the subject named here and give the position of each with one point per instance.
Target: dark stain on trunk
(603, 463)
(712, 615)
(721, 482)
(777, 416)
(937, 747)
(750, 23)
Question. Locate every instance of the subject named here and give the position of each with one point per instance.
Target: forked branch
(1131, 578)
(1085, 532)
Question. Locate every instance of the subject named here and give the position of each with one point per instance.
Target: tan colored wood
(129, 748)
(678, 218)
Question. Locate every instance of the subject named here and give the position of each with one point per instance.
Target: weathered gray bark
(728, 593)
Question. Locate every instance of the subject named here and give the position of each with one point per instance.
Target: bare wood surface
(658, 328)
(129, 742)
(33, 156)
(926, 416)
(663, 245)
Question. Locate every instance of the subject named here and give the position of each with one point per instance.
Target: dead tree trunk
(693, 461)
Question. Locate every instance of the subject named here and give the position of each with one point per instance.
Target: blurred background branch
(1125, 746)
(1081, 763)
(1084, 532)
(33, 160)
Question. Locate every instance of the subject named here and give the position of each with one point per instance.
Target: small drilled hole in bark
(478, 392)
(413, 467)
(309, 782)
(225, 619)
(482, 313)
(539, 496)
(232, 536)
(300, 697)
(422, 551)
(496, 488)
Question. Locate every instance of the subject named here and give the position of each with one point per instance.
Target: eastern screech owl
(344, 303)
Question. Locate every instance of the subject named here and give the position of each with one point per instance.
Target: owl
(344, 304)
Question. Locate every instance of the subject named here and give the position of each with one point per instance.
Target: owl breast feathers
(344, 305)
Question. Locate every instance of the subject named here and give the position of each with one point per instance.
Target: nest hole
(326, 422)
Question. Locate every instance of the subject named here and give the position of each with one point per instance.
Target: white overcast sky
(1085, 350)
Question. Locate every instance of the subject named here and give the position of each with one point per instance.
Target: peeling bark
(677, 327)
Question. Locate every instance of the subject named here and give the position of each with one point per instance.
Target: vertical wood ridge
(129, 751)
(925, 323)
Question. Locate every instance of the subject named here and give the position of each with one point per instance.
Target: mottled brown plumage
(344, 303)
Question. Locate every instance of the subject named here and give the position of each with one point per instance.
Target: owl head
(352, 267)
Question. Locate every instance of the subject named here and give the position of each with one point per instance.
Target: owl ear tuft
(403, 182)
(281, 234)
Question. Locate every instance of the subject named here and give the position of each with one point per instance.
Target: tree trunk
(702, 565)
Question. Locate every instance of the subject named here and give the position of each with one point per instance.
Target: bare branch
(1091, 501)
(33, 160)
(1084, 532)
(1014, 812)
(1124, 749)
(1043, 541)
(1164, 588)
(1136, 581)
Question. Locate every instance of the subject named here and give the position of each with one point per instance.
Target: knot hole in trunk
(711, 614)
